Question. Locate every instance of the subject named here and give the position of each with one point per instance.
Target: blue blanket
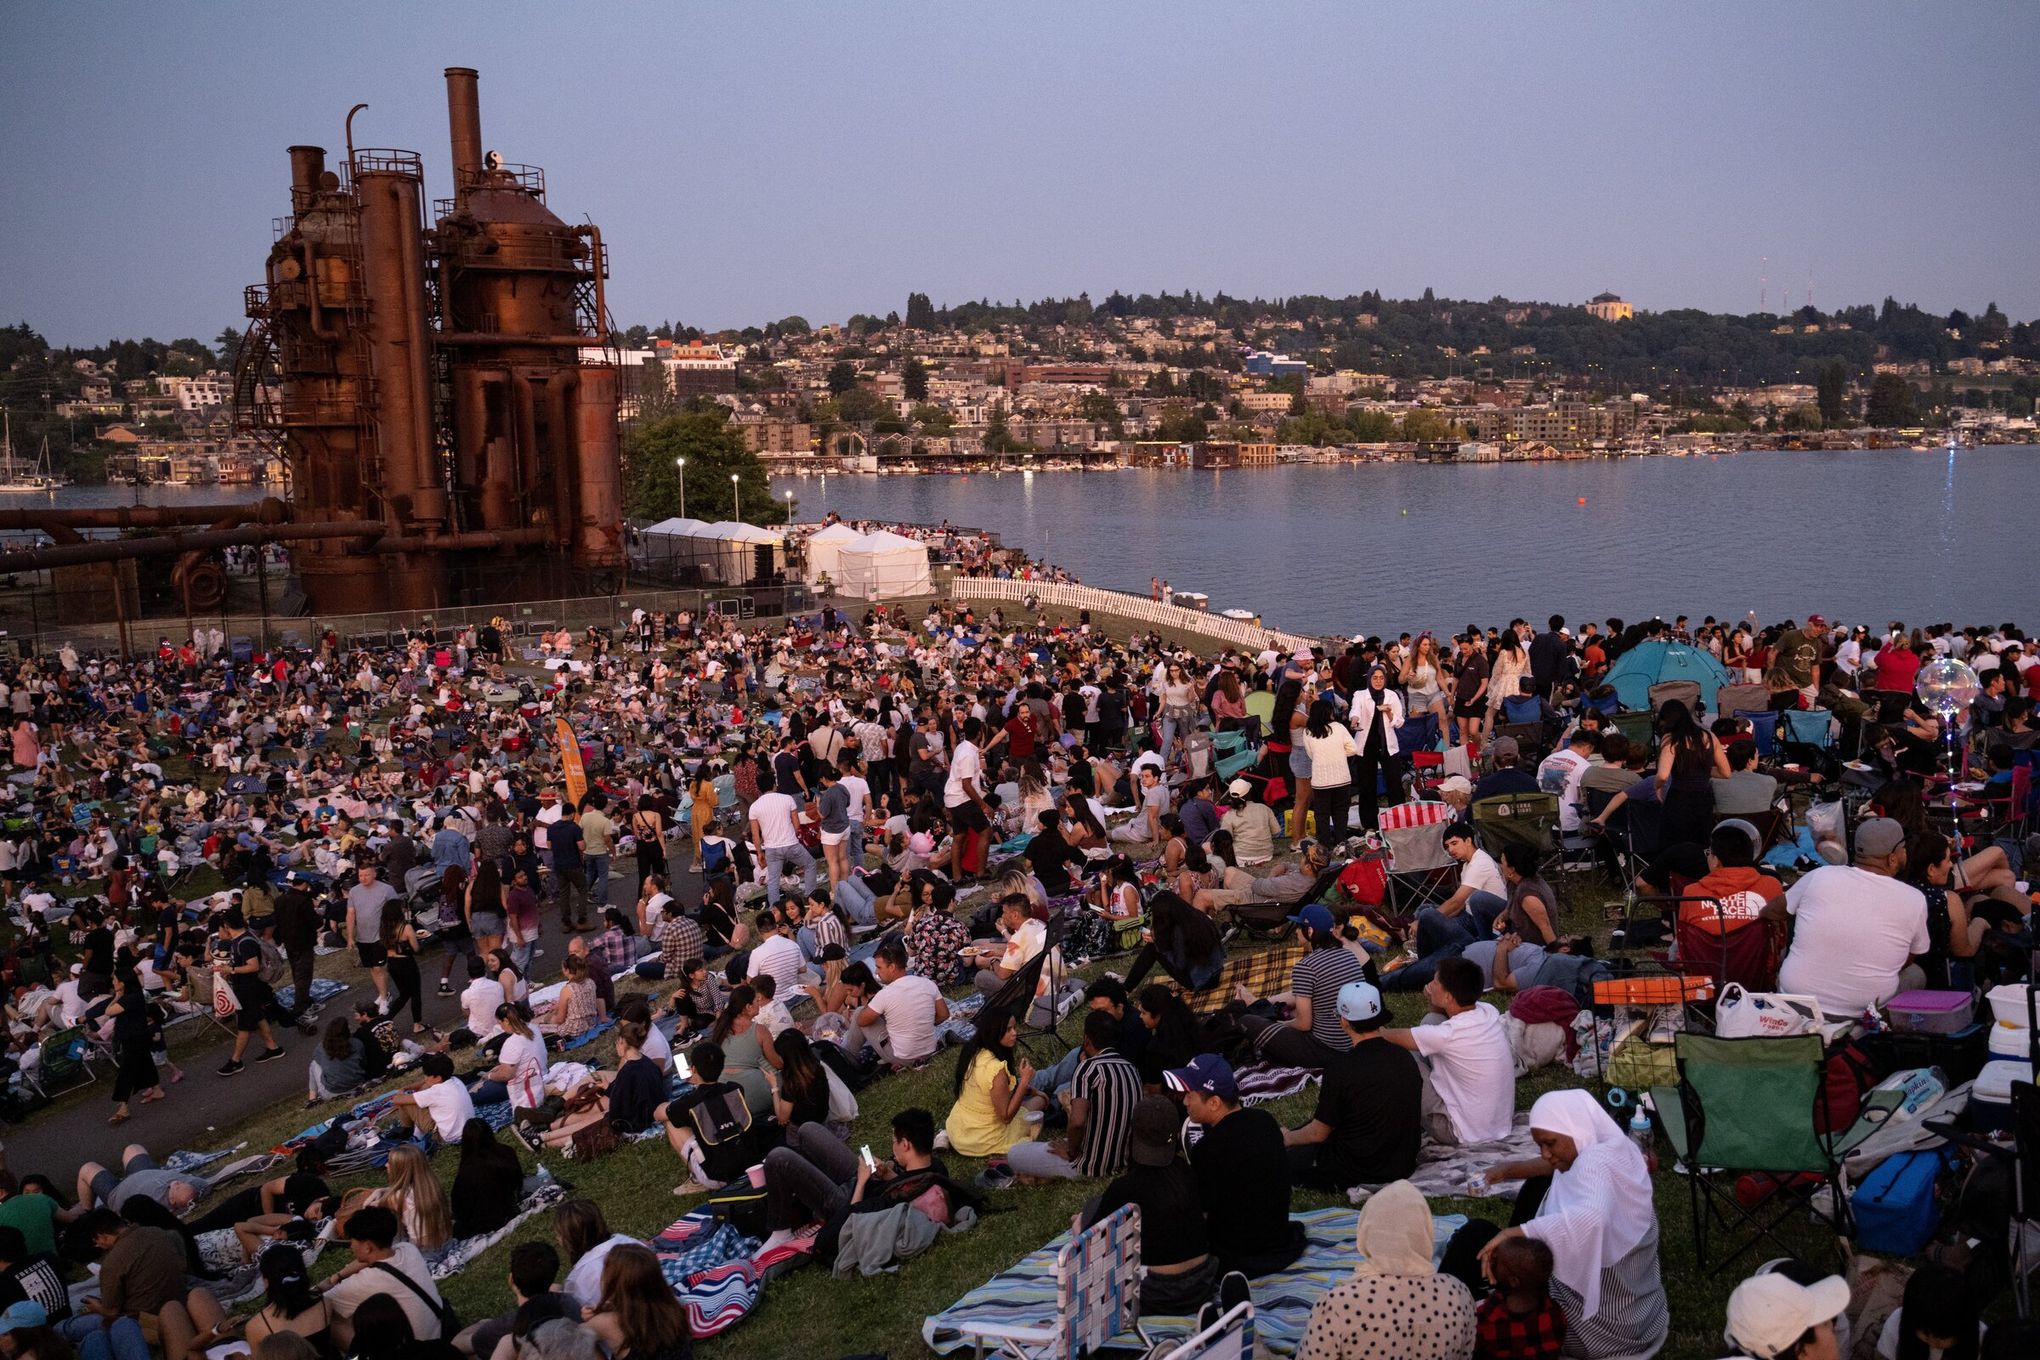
(323, 990)
(1025, 1294)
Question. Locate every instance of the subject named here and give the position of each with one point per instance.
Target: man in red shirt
(1733, 879)
(1022, 732)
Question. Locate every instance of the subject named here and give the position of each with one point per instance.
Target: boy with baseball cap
(1772, 1317)
(1369, 1119)
(1242, 1171)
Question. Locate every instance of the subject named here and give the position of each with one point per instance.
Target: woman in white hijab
(1396, 1306)
(1601, 1226)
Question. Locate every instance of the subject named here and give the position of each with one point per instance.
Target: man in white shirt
(1855, 928)
(439, 1107)
(382, 1265)
(859, 788)
(1025, 938)
(963, 797)
(1469, 1067)
(775, 831)
(777, 953)
(1464, 917)
(1561, 772)
(900, 1020)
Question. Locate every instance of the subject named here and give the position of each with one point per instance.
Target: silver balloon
(1947, 685)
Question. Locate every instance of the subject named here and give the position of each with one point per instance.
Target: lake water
(1862, 536)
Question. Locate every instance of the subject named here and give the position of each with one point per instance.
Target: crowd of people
(907, 832)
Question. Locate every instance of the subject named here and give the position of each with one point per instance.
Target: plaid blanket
(1264, 972)
(1461, 1172)
(1025, 1294)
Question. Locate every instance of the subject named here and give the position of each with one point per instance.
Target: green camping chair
(63, 1064)
(1749, 1105)
(1518, 819)
(1640, 727)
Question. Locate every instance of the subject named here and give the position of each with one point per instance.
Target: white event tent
(883, 566)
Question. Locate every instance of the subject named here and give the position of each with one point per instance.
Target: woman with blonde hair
(414, 1195)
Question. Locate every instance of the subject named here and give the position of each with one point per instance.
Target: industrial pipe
(464, 122)
(481, 338)
(126, 549)
(267, 511)
(479, 538)
(307, 163)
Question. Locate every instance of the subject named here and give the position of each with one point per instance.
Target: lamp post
(736, 500)
(789, 507)
(681, 465)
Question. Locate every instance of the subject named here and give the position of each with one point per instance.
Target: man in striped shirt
(1102, 1097)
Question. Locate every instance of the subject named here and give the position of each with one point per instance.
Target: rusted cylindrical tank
(598, 534)
(399, 341)
(307, 163)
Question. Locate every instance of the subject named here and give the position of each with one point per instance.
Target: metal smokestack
(307, 163)
(464, 122)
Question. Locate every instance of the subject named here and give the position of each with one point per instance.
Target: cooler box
(1895, 1208)
(1926, 1012)
(2009, 1016)
(1990, 1100)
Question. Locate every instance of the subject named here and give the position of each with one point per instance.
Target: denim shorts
(1299, 762)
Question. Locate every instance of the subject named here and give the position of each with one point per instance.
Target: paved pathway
(202, 1110)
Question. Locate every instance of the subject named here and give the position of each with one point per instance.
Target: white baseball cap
(1768, 1313)
(1359, 1002)
(1239, 788)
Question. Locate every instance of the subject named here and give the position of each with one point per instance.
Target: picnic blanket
(1461, 1171)
(712, 1269)
(323, 990)
(462, 1250)
(367, 1145)
(1260, 1082)
(1025, 1294)
(197, 1161)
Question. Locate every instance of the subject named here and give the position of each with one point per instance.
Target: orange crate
(1656, 990)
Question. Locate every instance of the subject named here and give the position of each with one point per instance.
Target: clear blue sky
(746, 161)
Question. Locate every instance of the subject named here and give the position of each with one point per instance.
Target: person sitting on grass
(627, 1098)
(1397, 1303)
(534, 1271)
(638, 1317)
(439, 1107)
(988, 1117)
(1772, 1316)
(1469, 1069)
(817, 1177)
(1178, 1271)
(579, 1007)
(1103, 1091)
(711, 1126)
(1242, 1171)
(1367, 1129)
(1518, 1320)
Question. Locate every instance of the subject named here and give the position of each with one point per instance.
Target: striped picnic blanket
(1025, 1294)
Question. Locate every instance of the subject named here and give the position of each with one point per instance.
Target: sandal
(121, 1117)
(690, 1187)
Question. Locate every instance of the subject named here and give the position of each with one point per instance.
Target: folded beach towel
(1460, 1172)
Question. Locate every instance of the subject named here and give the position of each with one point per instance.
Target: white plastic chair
(1229, 1338)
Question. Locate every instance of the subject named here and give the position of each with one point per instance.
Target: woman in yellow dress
(991, 1090)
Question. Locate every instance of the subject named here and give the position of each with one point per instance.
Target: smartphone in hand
(870, 1162)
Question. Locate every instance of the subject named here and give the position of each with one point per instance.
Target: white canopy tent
(824, 548)
(725, 553)
(883, 566)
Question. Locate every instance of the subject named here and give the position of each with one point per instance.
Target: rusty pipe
(348, 132)
(477, 538)
(464, 125)
(128, 549)
(484, 338)
(307, 163)
(267, 511)
(318, 318)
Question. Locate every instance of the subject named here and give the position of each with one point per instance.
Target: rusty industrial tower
(424, 379)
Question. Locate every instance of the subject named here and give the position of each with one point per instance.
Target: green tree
(795, 325)
(1099, 407)
(1891, 401)
(914, 380)
(228, 343)
(1183, 427)
(860, 404)
(1833, 385)
(714, 451)
(932, 419)
(842, 377)
(998, 439)
(920, 312)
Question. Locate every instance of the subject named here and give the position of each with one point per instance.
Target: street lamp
(681, 464)
(736, 500)
(789, 507)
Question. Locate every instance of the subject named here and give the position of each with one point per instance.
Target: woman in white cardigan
(1376, 713)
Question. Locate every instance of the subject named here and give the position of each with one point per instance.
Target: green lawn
(810, 1311)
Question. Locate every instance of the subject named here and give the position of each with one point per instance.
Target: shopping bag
(224, 1002)
(1744, 1014)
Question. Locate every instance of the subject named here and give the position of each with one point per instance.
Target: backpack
(722, 1125)
(275, 967)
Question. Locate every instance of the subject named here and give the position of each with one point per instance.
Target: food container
(1990, 1100)
(1928, 1012)
(2008, 1004)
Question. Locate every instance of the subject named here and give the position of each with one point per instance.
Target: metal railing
(1119, 604)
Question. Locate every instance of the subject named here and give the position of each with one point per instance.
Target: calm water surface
(1860, 536)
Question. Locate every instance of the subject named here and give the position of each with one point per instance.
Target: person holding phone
(815, 1175)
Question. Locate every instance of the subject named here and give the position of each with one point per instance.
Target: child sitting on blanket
(1518, 1320)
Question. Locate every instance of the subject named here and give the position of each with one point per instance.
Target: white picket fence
(1118, 604)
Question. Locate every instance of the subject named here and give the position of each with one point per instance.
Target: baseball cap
(1359, 1002)
(1767, 1313)
(1878, 836)
(1504, 746)
(23, 1313)
(1313, 917)
(1156, 1123)
(1239, 788)
(1816, 621)
(1207, 1074)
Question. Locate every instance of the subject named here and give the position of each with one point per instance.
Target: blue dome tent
(1652, 663)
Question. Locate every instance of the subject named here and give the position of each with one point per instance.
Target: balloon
(1583, 500)
(1947, 685)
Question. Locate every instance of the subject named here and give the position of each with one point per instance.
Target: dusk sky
(748, 161)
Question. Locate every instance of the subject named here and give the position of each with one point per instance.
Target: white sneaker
(942, 1140)
(778, 1238)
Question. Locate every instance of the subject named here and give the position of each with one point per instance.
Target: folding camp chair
(1813, 727)
(1419, 869)
(1419, 732)
(64, 1065)
(1229, 1338)
(1229, 743)
(1529, 737)
(1732, 699)
(1518, 819)
(1097, 1297)
(1640, 728)
(1231, 767)
(1763, 730)
(1743, 953)
(1750, 1105)
(1686, 692)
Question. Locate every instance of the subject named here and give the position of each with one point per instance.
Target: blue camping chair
(1229, 743)
(1764, 729)
(1419, 732)
(1231, 767)
(1809, 727)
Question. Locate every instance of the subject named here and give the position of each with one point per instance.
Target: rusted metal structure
(428, 379)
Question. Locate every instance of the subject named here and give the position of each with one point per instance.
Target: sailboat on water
(15, 478)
